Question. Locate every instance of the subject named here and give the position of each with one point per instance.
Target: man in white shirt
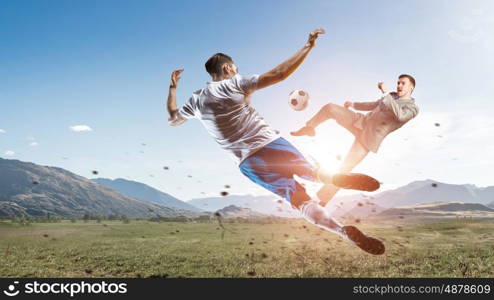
(267, 159)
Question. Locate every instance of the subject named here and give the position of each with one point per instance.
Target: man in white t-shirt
(267, 159)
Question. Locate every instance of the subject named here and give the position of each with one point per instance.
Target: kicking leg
(356, 154)
(317, 215)
(264, 169)
(342, 115)
(314, 213)
(322, 115)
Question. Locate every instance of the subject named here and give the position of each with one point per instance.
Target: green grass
(148, 249)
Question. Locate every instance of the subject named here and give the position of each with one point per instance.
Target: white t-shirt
(224, 109)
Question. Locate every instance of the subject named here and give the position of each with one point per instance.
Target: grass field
(454, 248)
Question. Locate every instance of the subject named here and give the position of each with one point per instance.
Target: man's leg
(317, 215)
(342, 115)
(356, 154)
(264, 169)
(314, 213)
(346, 118)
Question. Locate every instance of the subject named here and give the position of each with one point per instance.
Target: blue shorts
(274, 165)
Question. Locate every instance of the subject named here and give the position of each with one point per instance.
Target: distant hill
(361, 210)
(361, 205)
(268, 205)
(30, 189)
(233, 211)
(414, 193)
(439, 209)
(144, 192)
(428, 191)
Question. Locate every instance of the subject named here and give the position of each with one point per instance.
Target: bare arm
(171, 104)
(367, 106)
(282, 71)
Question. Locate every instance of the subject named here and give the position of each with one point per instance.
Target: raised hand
(382, 87)
(311, 42)
(175, 78)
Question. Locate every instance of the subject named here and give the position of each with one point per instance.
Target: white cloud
(80, 128)
(33, 144)
(2, 131)
(9, 153)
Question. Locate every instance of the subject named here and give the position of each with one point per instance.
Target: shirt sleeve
(186, 112)
(366, 106)
(247, 84)
(403, 112)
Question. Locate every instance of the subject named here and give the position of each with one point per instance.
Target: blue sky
(106, 65)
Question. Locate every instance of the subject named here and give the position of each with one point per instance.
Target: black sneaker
(366, 243)
(356, 181)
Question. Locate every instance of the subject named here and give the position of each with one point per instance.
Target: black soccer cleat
(366, 243)
(355, 181)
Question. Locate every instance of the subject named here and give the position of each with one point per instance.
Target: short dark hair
(215, 63)
(412, 80)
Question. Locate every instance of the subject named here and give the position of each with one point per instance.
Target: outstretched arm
(174, 117)
(282, 71)
(365, 106)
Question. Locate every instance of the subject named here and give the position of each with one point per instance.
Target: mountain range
(363, 204)
(144, 192)
(35, 190)
(233, 211)
(268, 205)
(438, 209)
(30, 189)
(414, 193)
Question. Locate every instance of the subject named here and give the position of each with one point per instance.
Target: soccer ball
(298, 100)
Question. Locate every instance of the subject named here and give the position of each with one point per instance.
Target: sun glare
(325, 152)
